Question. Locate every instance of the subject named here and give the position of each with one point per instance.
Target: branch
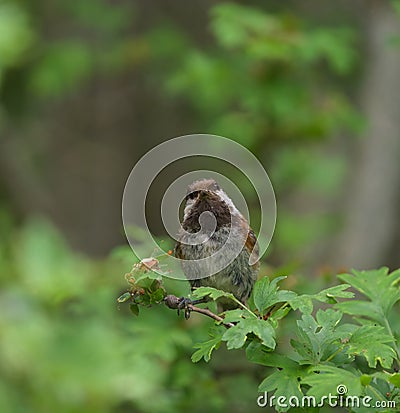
(172, 302)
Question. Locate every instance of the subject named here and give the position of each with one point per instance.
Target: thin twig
(172, 301)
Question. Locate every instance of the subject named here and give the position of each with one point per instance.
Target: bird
(210, 223)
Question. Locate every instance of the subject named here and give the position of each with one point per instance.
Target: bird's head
(207, 195)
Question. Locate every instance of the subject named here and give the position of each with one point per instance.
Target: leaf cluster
(350, 343)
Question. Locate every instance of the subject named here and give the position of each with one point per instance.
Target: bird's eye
(192, 195)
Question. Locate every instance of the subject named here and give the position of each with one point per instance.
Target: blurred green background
(86, 88)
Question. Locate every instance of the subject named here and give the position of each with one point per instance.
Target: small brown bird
(212, 222)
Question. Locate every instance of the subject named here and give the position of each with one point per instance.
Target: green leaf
(134, 308)
(378, 285)
(236, 336)
(266, 294)
(158, 295)
(362, 308)
(377, 392)
(258, 353)
(371, 342)
(124, 297)
(316, 337)
(205, 349)
(279, 314)
(212, 293)
(305, 302)
(233, 24)
(148, 275)
(284, 383)
(365, 379)
(325, 380)
(233, 316)
(395, 379)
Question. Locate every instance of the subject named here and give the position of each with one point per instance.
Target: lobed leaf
(258, 353)
(324, 380)
(305, 302)
(212, 293)
(370, 342)
(316, 338)
(236, 336)
(284, 383)
(206, 348)
(378, 285)
(266, 294)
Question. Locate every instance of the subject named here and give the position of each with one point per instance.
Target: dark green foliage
(272, 80)
(326, 350)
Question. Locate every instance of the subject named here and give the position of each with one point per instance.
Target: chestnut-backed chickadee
(212, 223)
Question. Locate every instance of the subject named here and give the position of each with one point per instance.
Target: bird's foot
(183, 304)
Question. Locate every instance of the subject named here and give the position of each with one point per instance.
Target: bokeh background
(86, 88)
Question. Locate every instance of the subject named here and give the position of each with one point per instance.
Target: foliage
(266, 78)
(16, 35)
(66, 345)
(275, 82)
(328, 352)
(261, 72)
(94, 40)
(272, 81)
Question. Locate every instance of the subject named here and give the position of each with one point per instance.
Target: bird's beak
(203, 195)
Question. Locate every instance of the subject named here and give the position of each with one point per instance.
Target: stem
(171, 301)
(208, 313)
(389, 329)
(244, 307)
(334, 354)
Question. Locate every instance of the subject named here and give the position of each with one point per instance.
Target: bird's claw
(183, 304)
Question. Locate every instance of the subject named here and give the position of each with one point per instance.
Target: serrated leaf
(232, 316)
(258, 353)
(148, 275)
(212, 293)
(338, 291)
(328, 319)
(362, 308)
(378, 285)
(266, 294)
(324, 380)
(305, 302)
(236, 336)
(395, 379)
(280, 313)
(284, 383)
(371, 342)
(158, 295)
(206, 348)
(261, 293)
(316, 337)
